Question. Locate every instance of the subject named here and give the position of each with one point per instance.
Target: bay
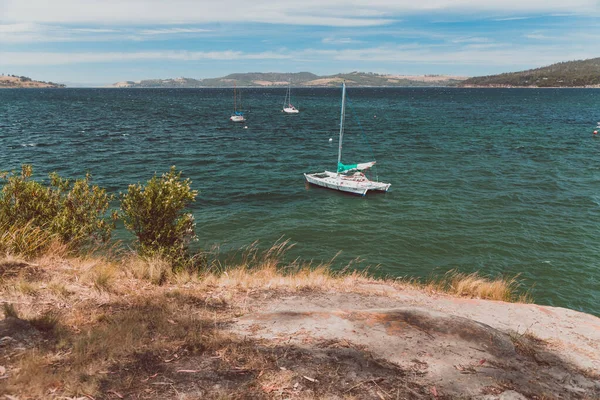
(500, 181)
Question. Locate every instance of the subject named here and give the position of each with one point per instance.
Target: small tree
(155, 214)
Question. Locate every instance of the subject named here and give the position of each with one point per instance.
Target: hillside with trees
(581, 73)
(299, 79)
(19, 82)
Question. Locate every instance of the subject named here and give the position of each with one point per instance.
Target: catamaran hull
(342, 183)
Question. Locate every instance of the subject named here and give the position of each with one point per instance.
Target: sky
(100, 42)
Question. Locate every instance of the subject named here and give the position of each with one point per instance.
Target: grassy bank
(113, 326)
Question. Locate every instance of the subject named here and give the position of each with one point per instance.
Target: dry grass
(26, 287)
(153, 269)
(27, 240)
(80, 354)
(113, 323)
(266, 269)
(476, 286)
(59, 288)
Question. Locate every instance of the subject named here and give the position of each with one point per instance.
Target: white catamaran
(287, 102)
(348, 178)
(237, 116)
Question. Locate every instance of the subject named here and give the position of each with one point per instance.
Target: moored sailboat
(287, 102)
(237, 116)
(348, 177)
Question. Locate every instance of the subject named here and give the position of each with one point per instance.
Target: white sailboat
(237, 116)
(287, 102)
(347, 178)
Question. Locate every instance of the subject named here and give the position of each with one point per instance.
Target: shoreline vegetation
(84, 316)
(74, 216)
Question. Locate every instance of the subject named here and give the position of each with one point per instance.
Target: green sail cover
(352, 167)
(344, 168)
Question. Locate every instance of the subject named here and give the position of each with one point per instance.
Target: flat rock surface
(458, 347)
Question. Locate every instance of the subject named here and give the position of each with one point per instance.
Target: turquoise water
(501, 181)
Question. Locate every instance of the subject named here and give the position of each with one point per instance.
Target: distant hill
(581, 73)
(299, 79)
(17, 82)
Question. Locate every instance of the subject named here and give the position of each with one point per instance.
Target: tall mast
(342, 116)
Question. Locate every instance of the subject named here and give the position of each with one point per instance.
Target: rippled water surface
(501, 181)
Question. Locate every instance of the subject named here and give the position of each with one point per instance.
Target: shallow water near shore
(500, 181)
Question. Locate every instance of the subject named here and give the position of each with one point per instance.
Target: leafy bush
(72, 211)
(155, 214)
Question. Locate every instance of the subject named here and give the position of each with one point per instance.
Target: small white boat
(287, 102)
(348, 178)
(237, 116)
(290, 110)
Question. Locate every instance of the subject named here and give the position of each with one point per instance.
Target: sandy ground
(458, 347)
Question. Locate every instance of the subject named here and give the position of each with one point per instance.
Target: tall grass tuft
(46, 322)
(254, 267)
(474, 285)
(155, 269)
(26, 240)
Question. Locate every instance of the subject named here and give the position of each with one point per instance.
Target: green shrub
(81, 210)
(155, 214)
(72, 210)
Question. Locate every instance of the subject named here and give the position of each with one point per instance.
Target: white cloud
(511, 19)
(42, 33)
(472, 54)
(138, 12)
(48, 58)
(307, 12)
(171, 31)
(588, 38)
(471, 39)
(17, 28)
(468, 54)
(94, 30)
(333, 40)
(539, 36)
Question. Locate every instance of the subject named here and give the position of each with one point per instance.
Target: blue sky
(99, 42)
